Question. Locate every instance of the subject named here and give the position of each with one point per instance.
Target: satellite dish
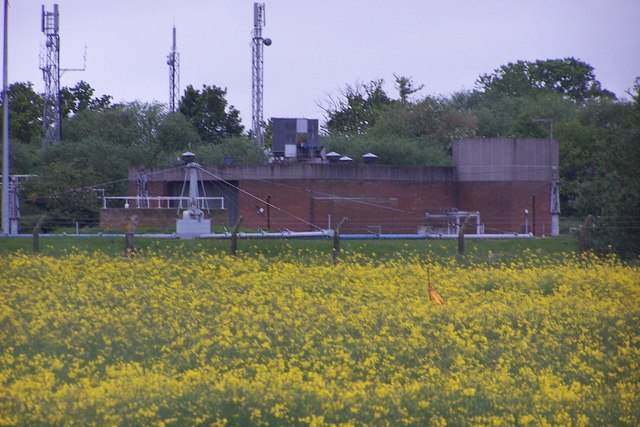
(267, 42)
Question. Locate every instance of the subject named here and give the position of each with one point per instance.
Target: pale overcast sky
(320, 46)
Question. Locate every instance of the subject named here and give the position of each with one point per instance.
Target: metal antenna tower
(50, 66)
(173, 61)
(51, 72)
(257, 84)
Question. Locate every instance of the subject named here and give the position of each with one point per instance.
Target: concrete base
(193, 227)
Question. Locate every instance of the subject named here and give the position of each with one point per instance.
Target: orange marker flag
(433, 294)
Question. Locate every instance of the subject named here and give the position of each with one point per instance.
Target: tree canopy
(80, 98)
(367, 110)
(209, 113)
(569, 77)
(25, 112)
(356, 108)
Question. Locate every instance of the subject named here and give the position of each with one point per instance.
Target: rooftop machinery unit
(295, 139)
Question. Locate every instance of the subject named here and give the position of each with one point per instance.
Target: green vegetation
(480, 250)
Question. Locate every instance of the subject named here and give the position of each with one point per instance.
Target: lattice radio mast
(257, 83)
(51, 72)
(50, 66)
(173, 60)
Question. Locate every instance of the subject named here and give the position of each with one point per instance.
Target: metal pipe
(301, 235)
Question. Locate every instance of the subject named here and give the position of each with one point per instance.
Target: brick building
(506, 182)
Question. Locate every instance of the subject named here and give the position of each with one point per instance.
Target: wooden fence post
(461, 236)
(129, 248)
(582, 234)
(36, 234)
(336, 240)
(234, 236)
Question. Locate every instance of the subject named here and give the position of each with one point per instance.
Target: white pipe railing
(162, 202)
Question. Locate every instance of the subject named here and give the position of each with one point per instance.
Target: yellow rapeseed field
(215, 340)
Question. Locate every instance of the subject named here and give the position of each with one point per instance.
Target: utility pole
(6, 227)
(257, 83)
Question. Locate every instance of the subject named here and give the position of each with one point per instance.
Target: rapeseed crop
(215, 340)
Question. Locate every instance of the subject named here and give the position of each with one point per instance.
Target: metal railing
(161, 202)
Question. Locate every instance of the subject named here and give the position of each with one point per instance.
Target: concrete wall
(505, 159)
(279, 171)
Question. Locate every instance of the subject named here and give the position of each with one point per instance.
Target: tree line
(599, 137)
(100, 139)
(598, 134)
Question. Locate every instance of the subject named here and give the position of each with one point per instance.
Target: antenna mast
(50, 66)
(257, 83)
(51, 72)
(173, 61)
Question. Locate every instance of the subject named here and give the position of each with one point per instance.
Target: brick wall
(496, 177)
(502, 204)
(391, 207)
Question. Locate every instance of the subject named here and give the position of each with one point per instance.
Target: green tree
(431, 120)
(24, 158)
(406, 87)
(80, 98)
(65, 192)
(356, 108)
(209, 113)
(25, 113)
(176, 133)
(133, 123)
(392, 150)
(242, 151)
(570, 77)
(610, 187)
(518, 116)
(107, 161)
